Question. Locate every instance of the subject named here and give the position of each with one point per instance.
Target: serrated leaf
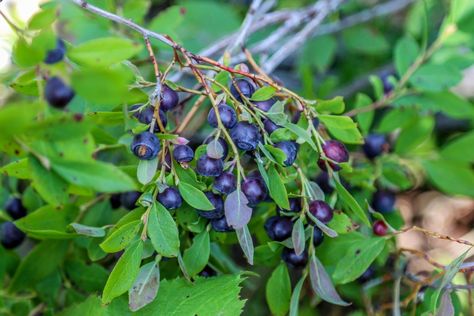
(121, 237)
(196, 257)
(145, 287)
(246, 243)
(357, 260)
(163, 231)
(277, 189)
(278, 291)
(322, 284)
(124, 273)
(104, 51)
(237, 212)
(194, 197)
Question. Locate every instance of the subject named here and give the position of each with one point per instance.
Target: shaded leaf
(145, 287)
(237, 212)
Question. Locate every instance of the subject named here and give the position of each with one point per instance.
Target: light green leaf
(335, 105)
(264, 93)
(196, 257)
(278, 291)
(342, 128)
(194, 197)
(406, 52)
(434, 77)
(162, 231)
(42, 19)
(277, 188)
(364, 119)
(121, 237)
(450, 176)
(351, 203)
(414, 135)
(18, 169)
(50, 186)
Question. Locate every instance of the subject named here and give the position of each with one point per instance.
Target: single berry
(278, 228)
(269, 126)
(367, 275)
(265, 105)
(295, 204)
(129, 199)
(223, 144)
(209, 167)
(290, 149)
(183, 153)
(217, 202)
(169, 98)
(245, 135)
(220, 225)
(293, 260)
(383, 201)
(225, 183)
(379, 228)
(324, 182)
(208, 272)
(245, 86)
(227, 115)
(336, 152)
(10, 236)
(255, 190)
(374, 145)
(321, 210)
(318, 236)
(316, 123)
(170, 198)
(57, 54)
(145, 116)
(145, 145)
(115, 201)
(57, 93)
(15, 208)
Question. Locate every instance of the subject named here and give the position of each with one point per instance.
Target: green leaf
(450, 176)
(263, 93)
(88, 230)
(145, 287)
(295, 297)
(196, 257)
(162, 231)
(335, 105)
(341, 223)
(124, 273)
(194, 197)
(455, 150)
(88, 277)
(121, 237)
(245, 242)
(60, 127)
(104, 51)
(364, 119)
(15, 118)
(298, 236)
(342, 128)
(50, 186)
(48, 222)
(303, 134)
(326, 46)
(397, 118)
(37, 265)
(434, 77)
(358, 258)
(146, 170)
(414, 135)
(100, 176)
(101, 86)
(352, 203)
(277, 188)
(278, 291)
(18, 169)
(405, 54)
(42, 19)
(365, 40)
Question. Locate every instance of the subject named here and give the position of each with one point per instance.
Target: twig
(245, 27)
(435, 235)
(324, 9)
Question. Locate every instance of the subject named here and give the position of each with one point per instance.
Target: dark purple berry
(227, 115)
(129, 199)
(383, 201)
(183, 153)
(374, 145)
(209, 167)
(324, 182)
(367, 275)
(379, 228)
(220, 225)
(265, 105)
(255, 190)
(115, 201)
(336, 152)
(170, 198)
(245, 86)
(217, 202)
(15, 208)
(290, 149)
(169, 98)
(145, 145)
(269, 126)
(145, 116)
(225, 183)
(316, 123)
(10, 236)
(321, 210)
(223, 143)
(57, 93)
(56, 54)
(208, 272)
(246, 136)
(293, 260)
(318, 236)
(278, 228)
(295, 204)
